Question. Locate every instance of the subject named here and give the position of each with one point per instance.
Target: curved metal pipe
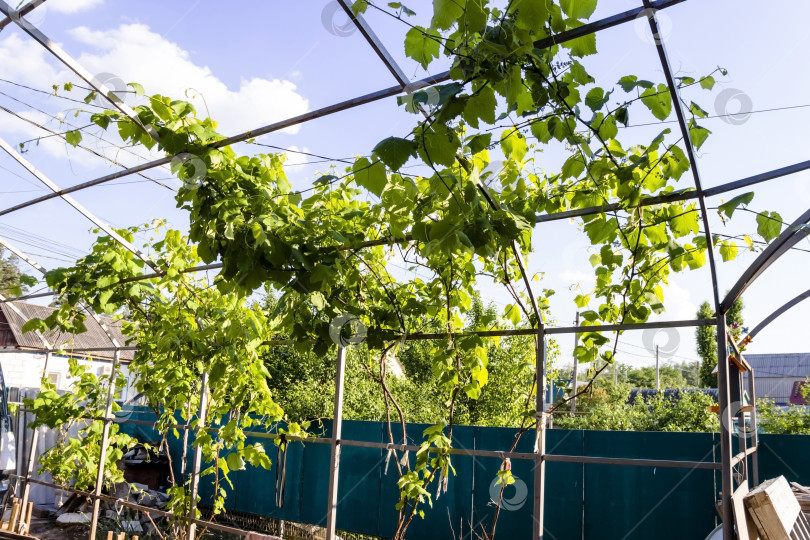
(796, 232)
(773, 316)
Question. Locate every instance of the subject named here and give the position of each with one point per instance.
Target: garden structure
(439, 99)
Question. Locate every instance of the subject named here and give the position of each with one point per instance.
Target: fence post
(540, 441)
(752, 391)
(197, 463)
(334, 461)
(105, 436)
(723, 388)
(32, 452)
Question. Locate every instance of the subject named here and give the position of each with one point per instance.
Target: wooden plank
(798, 487)
(774, 509)
(746, 527)
(15, 514)
(27, 520)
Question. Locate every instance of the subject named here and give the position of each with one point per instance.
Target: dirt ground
(47, 529)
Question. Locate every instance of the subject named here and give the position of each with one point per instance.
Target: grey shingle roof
(94, 337)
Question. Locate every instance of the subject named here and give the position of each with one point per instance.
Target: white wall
(23, 369)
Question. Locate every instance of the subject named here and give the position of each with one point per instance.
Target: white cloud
(71, 6)
(29, 65)
(679, 303)
(577, 277)
(54, 146)
(294, 158)
(136, 54)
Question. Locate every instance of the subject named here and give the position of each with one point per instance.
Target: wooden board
(774, 508)
(746, 527)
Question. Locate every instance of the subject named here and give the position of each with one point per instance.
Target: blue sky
(258, 62)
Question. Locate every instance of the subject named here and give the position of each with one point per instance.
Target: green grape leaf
(577, 9)
(235, 462)
(530, 14)
(697, 133)
(696, 109)
(683, 221)
(479, 142)
(445, 13)
(769, 225)
(582, 46)
(628, 82)
(728, 250)
(395, 152)
(658, 100)
(438, 145)
(596, 98)
(582, 300)
(74, 137)
(370, 175)
(359, 6)
(707, 82)
(480, 105)
(654, 302)
(622, 115)
(728, 208)
(513, 144)
(421, 47)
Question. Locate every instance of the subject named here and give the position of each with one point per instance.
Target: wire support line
(83, 147)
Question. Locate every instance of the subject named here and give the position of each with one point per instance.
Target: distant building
(22, 357)
(779, 376)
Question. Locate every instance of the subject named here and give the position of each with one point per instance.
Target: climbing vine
(333, 249)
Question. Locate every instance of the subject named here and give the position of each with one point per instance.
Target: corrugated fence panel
(787, 455)
(565, 485)
(593, 502)
(624, 502)
(515, 517)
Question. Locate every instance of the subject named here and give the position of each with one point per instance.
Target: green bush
(792, 420)
(609, 411)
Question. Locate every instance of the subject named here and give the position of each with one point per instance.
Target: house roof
(780, 365)
(11, 325)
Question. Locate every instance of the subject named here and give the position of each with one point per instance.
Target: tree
(12, 281)
(670, 377)
(706, 338)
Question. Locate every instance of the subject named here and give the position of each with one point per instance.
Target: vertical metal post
(197, 463)
(574, 380)
(540, 441)
(105, 436)
(657, 371)
(334, 458)
(752, 388)
(32, 452)
(726, 508)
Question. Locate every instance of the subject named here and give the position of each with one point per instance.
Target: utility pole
(576, 365)
(657, 371)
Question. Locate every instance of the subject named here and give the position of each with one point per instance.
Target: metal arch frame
(795, 233)
(724, 376)
(73, 65)
(28, 8)
(778, 312)
(649, 9)
(74, 203)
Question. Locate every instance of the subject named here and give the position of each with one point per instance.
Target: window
(55, 379)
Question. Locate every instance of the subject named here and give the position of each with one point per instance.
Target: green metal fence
(599, 502)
